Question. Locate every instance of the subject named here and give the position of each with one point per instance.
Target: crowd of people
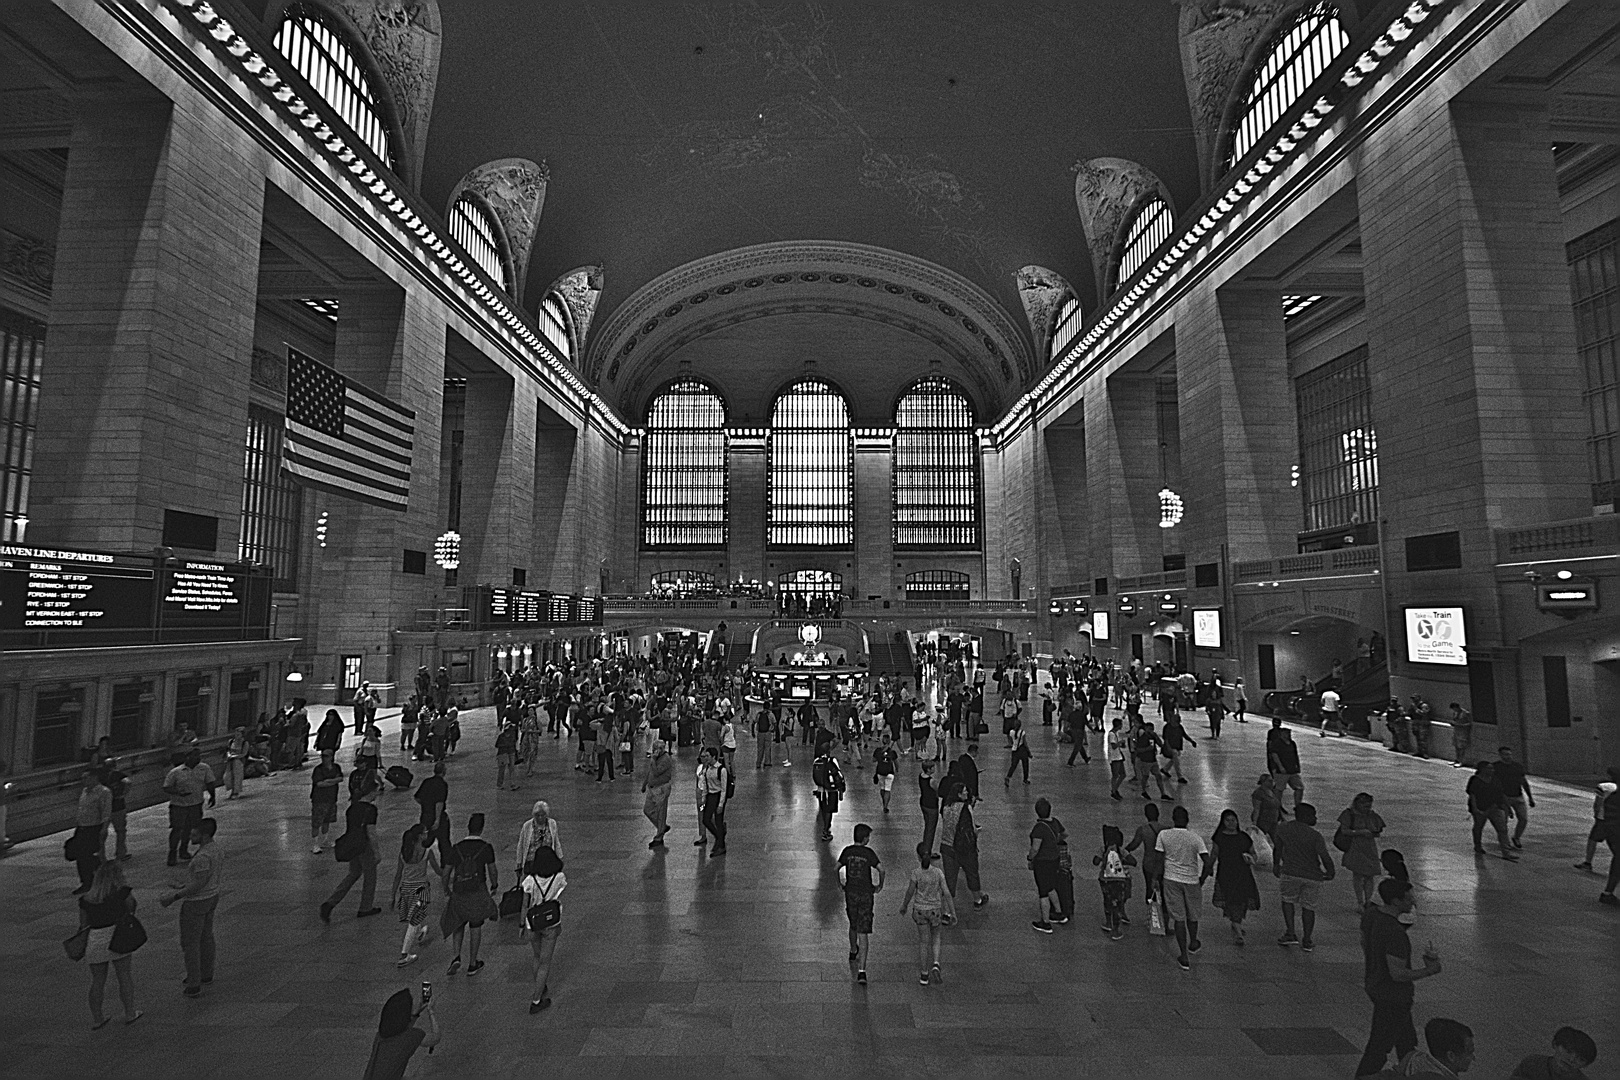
(631, 716)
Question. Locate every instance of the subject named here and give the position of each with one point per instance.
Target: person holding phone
(398, 1037)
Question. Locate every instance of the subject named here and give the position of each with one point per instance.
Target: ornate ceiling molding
(1217, 37)
(515, 190)
(1106, 190)
(835, 277)
(581, 289)
(1042, 291)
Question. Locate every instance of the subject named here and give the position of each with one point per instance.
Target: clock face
(810, 634)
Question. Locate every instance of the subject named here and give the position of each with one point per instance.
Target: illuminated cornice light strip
(1365, 65)
(257, 69)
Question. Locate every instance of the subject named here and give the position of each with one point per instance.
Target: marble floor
(673, 963)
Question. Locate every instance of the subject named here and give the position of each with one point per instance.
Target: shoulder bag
(127, 936)
(76, 945)
(545, 914)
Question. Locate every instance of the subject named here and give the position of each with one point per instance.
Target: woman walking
(656, 785)
(931, 906)
(1236, 894)
(1357, 836)
(413, 891)
(1266, 808)
(540, 830)
(236, 753)
(102, 909)
(543, 884)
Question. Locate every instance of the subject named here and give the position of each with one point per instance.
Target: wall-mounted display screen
(1436, 635)
(1099, 626)
(1206, 628)
(44, 589)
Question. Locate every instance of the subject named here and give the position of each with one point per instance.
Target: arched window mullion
(1295, 57)
(328, 62)
(936, 468)
(684, 475)
(812, 468)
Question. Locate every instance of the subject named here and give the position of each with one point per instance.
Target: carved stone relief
(580, 289)
(28, 261)
(1105, 191)
(515, 189)
(1041, 291)
(404, 38)
(1216, 36)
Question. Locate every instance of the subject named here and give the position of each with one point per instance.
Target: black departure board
(498, 606)
(46, 590)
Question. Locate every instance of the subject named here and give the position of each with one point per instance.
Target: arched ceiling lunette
(837, 278)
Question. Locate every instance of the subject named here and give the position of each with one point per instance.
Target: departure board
(500, 606)
(44, 589)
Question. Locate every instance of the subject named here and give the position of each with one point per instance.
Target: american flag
(343, 437)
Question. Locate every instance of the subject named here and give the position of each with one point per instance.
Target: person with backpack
(1145, 746)
(714, 788)
(861, 874)
(1114, 878)
(473, 878)
(543, 884)
(884, 760)
(358, 847)
(829, 781)
(1045, 838)
(1020, 755)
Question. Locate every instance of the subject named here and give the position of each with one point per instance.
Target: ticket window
(191, 695)
(131, 703)
(58, 716)
(244, 691)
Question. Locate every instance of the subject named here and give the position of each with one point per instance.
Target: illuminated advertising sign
(1436, 635)
(1099, 626)
(1206, 628)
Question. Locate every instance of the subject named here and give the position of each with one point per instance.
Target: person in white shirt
(1330, 714)
(1114, 747)
(543, 883)
(1186, 865)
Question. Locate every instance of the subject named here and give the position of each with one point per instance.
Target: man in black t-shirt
(1389, 975)
(1487, 803)
(1516, 790)
(1282, 760)
(473, 880)
(358, 847)
(433, 795)
(861, 874)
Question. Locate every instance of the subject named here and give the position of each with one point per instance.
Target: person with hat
(543, 882)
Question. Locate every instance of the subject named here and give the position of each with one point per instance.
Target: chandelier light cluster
(320, 528)
(1170, 509)
(447, 550)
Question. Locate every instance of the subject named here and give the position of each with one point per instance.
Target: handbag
(1262, 849)
(1341, 839)
(127, 936)
(349, 846)
(511, 901)
(544, 915)
(76, 945)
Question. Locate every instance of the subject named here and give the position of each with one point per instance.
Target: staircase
(892, 657)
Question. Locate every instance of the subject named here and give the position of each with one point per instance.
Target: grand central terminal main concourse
(529, 534)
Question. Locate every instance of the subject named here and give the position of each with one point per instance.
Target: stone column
(1239, 429)
(497, 480)
(1477, 388)
(1065, 555)
(554, 442)
(1122, 476)
(144, 396)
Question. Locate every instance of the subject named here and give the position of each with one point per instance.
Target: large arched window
(1149, 228)
(812, 468)
(1295, 58)
(318, 49)
(1066, 326)
(554, 323)
(936, 468)
(472, 228)
(683, 500)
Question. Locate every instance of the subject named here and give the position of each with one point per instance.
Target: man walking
(1301, 863)
(1487, 803)
(199, 898)
(656, 784)
(861, 874)
(928, 802)
(829, 781)
(1186, 865)
(1282, 760)
(473, 879)
(185, 785)
(1462, 734)
(433, 796)
(117, 784)
(1515, 789)
(1330, 714)
(89, 839)
(324, 781)
(358, 847)
(1389, 975)
(1114, 747)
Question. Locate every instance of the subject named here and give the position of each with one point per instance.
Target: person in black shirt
(1486, 802)
(433, 795)
(861, 874)
(928, 800)
(1282, 760)
(1389, 975)
(1516, 790)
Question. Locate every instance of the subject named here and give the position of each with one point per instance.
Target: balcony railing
(623, 605)
(1583, 536)
(1169, 579)
(1343, 561)
(429, 620)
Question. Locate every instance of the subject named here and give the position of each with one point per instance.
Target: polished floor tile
(678, 963)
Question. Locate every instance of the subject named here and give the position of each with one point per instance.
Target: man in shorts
(473, 878)
(1301, 863)
(324, 781)
(1186, 865)
(861, 875)
(1282, 760)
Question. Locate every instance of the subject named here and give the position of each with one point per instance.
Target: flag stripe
(319, 480)
(403, 416)
(381, 417)
(387, 442)
(357, 456)
(319, 464)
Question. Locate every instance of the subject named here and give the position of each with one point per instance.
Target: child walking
(1114, 878)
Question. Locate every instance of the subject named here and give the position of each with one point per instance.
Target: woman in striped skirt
(413, 891)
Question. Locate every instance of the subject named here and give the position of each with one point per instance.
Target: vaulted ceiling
(678, 131)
